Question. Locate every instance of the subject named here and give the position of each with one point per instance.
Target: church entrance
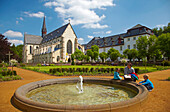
(69, 60)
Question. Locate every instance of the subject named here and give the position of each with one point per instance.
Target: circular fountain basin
(61, 95)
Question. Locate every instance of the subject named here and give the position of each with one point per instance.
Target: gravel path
(158, 101)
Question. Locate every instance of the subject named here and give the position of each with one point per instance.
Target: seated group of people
(129, 74)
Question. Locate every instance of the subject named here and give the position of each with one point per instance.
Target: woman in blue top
(147, 83)
(116, 74)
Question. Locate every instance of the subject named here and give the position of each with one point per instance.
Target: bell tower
(44, 30)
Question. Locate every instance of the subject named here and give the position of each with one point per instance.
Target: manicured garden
(7, 74)
(69, 70)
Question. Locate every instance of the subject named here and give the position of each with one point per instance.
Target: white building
(53, 47)
(120, 42)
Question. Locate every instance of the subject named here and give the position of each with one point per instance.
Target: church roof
(32, 39)
(54, 34)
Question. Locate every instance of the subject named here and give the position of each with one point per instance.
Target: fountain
(80, 85)
(95, 94)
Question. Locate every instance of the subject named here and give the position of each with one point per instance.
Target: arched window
(30, 49)
(49, 49)
(58, 58)
(69, 47)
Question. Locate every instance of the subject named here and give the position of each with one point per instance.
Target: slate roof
(54, 34)
(138, 30)
(105, 41)
(32, 39)
(114, 40)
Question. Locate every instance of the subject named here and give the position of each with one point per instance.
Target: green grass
(46, 68)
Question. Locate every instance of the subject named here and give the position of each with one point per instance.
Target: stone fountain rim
(22, 102)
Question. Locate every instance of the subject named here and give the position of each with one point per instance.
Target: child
(116, 74)
(147, 83)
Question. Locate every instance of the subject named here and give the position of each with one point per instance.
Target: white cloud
(108, 32)
(97, 25)
(81, 11)
(38, 14)
(20, 18)
(160, 25)
(17, 22)
(89, 36)
(16, 42)
(11, 33)
(81, 40)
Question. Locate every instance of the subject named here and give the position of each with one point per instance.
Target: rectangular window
(120, 48)
(134, 46)
(134, 38)
(128, 39)
(128, 46)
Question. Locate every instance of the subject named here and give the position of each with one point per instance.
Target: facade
(120, 42)
(53, 47)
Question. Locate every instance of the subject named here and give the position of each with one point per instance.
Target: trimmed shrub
(74, 69)
(84, 69)
(112, 69)
(14, 73)
(22, 65)
(108, 70)
(54, 71)
(102, 70)
(78, 70)
(122, 70)
(63, 69)
(87, 70)
(96, 69)
(51, 71)
(136, 70)
(92, 70)
(39, 65)
(4, 73)
(105, 70)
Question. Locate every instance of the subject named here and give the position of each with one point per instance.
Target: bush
(54, 71)
(166, 63)
(169, 78)
(39, 65)
(1, 65)
(71, 70)
(108, 70)
(92, 70)
(22, 65)
(112, 69)
(122, 70)
(96, 69)
(51, 71)
(14, 73)
(4, 73)
(105, 70)
(62, 69)
(74, 70)
(102, 70)
(136, 70)
(84, 69)
(87, 70)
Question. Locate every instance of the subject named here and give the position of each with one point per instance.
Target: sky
(89, 18)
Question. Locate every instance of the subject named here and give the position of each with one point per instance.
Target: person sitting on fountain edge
(116, 74)
(147, 83)
(127, 71)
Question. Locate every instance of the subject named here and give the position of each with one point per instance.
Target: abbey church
(53, 47)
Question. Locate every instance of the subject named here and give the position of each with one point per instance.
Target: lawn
(47, 68)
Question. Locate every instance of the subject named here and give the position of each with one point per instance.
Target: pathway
(158, 101)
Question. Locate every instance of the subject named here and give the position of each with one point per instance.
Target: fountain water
(80, 85)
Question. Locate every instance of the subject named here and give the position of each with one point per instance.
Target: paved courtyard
(158, 99)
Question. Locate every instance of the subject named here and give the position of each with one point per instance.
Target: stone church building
(53, 47)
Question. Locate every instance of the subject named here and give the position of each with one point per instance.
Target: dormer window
(128, 39)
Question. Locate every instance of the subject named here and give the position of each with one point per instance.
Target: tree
(79, 55)
(113, 54)
(94, 52)
(4, 48)
(103, 56)
(72, 59)
(142, 44)
(90, 53)
(164, 44)
(86, 58)
(133, 53)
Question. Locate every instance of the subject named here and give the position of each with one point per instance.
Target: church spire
(44, 30)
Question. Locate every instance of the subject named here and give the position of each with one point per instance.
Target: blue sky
(89, 18)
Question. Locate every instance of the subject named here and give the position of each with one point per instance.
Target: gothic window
(58, 58)
(69, 47)
(128, 46)
(30, 49)
(134, 46)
